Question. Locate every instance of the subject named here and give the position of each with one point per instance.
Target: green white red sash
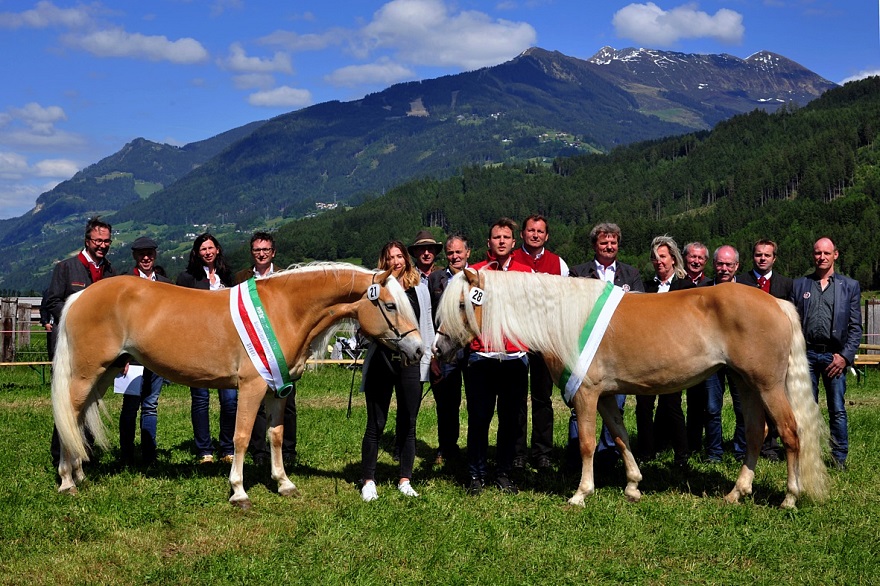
(589, 340)
(258, 338)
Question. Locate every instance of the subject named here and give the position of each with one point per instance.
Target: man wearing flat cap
(424, 250)
(143, 250)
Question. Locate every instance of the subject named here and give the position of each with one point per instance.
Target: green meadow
(171, 523)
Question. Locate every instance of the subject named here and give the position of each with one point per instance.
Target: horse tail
(811, 429)
(70, 431)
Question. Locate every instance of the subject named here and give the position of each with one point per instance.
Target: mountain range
(538, 106)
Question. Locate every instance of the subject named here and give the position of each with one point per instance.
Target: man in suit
(726, 264)
(533, 253)
(831, 318)
(143, 251)
(695, 257)
(446, 378)
(75, 274)
(263, 255)
(763, 277)
(605, 239)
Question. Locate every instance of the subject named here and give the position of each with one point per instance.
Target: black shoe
(543, 463)
(770, 455)
(519, 463)
(476, 486)
(506, 485)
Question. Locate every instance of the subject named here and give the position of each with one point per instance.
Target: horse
(188, 336)
(653, 344)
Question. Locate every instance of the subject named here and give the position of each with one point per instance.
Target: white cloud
(33, 126)
(55, 168)
(425, 32)
(251, 81)
(45, 15)
(651, 26)
(384, 72)
(309, 42)
(239, 62)
(39, 119)
(119, 43)
(12, 165)
(20, 183)
(861, 75)
(281, 97)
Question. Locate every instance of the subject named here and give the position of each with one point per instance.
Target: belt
(821, 348)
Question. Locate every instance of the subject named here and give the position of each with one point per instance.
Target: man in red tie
(763, 277)
(74, 274)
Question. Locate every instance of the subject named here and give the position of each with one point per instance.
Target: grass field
(172, 524)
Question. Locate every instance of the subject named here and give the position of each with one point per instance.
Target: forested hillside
(792, 176)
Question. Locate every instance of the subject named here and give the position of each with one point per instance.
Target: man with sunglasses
(73, 275)
(263, 253)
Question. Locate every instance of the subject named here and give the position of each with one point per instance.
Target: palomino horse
(188, 336)
(653, 344)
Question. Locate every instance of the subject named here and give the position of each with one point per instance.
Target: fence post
(23, 323)
(871, 329)
(7, 318)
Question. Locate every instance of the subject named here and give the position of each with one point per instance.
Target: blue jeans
(202, 424)
(714, 403)
(148, 403)
(606, 442)
(835, 389)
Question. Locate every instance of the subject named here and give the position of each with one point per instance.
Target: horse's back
(675, 338)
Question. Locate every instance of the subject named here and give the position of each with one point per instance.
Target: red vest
(477, 344)
(548, 263)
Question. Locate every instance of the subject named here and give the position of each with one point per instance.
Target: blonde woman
(384, 372)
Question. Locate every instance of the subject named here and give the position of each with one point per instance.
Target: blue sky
(79, 80)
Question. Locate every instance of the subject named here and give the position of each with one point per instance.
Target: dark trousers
(489, 380)
(384, 376)
(697, 401)
(259, 448)
(447, 397)
(666, 427)
(541, 389)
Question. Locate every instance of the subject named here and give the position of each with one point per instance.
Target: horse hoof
(633, 497)
(292, 491)
(577, 502)
(243, 504)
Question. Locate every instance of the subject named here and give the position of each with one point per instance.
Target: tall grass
(171, 523)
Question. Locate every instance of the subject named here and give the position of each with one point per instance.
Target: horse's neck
(320, 298)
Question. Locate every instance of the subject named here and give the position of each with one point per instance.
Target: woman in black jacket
(207, 269)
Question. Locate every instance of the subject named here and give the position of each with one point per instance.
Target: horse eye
(391, 306)
(461, 306)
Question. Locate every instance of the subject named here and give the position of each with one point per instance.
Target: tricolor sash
(258, 338)
(589, 340)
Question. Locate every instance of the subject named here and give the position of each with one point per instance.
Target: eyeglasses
(262, 250)
(101, 241)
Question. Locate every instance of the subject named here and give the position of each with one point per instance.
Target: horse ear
(472, 277)
(382, 277)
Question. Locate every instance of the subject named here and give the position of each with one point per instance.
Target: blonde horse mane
(544, 313)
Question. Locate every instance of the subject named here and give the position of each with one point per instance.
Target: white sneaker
(368, 492)
(406, 488)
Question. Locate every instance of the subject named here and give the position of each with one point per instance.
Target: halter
(373, 295)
